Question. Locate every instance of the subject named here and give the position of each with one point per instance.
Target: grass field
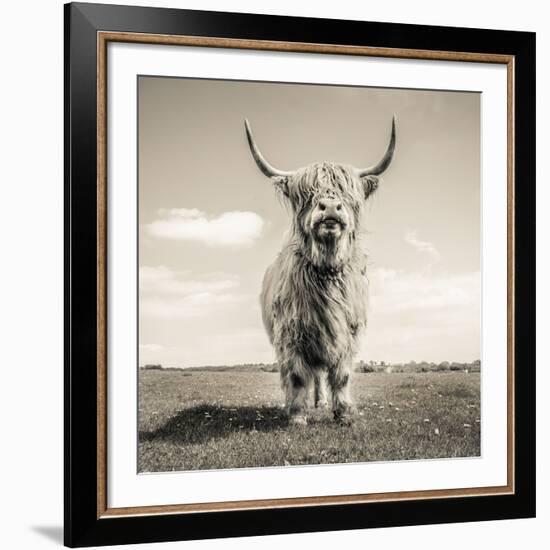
(205, 420)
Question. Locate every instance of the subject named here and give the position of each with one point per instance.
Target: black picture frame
(84, 525)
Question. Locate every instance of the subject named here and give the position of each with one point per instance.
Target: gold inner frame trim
(103, 38)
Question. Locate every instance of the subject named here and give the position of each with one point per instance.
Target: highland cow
(314, 295)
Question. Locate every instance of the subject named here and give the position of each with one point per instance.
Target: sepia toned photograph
(309, 274)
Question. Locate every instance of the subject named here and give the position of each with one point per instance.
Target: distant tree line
(242, 367)
(361, 366)
(152, 367)
(421, 366)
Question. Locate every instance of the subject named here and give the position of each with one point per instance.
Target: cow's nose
(330, 206)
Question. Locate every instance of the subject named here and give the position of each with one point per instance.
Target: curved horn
(385, 162)
(263, 165)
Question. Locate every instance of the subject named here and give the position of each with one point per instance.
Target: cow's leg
(296, 379)
(339, 379)
(320, 390)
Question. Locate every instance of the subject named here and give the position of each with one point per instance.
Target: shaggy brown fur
(314, 295)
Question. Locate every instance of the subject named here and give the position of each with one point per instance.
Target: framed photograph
(300, 267)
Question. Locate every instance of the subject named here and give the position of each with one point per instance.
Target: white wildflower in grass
(426, 419)
(436, 431)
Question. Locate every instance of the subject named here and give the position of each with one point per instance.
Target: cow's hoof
(297, 420)
(343, 418)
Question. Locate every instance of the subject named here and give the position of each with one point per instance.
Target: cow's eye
(322, 207)
(339, 207)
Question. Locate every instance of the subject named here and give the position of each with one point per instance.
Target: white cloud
(167, 295)
(425, 247)
(162, 280)
(188, 307)
(236, 229)
(393, 291)
(423, 316)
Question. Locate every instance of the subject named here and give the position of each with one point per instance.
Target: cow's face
(327, 202)
(328, 218)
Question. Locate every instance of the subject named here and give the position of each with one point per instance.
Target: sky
(210, 223)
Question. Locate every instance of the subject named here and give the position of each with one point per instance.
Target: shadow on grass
(206, 422)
